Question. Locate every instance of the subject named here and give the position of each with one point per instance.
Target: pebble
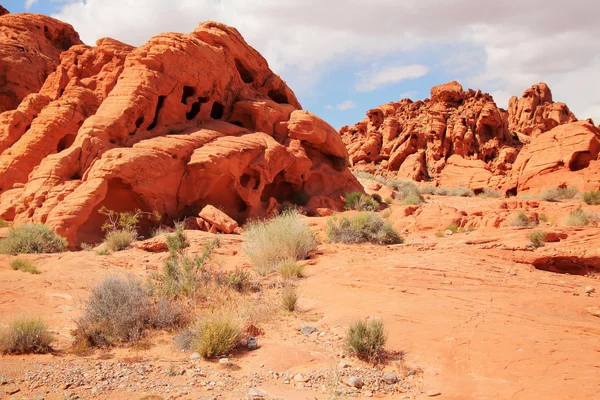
(367, 393)
(590, 290)
(307, 330)
(256, 394)
(3, 380)
(390, 378)
(433, 393)
(448, 232)
(224, 361)
(252, 343)
(300, 378)
(344, 364)
(194, 356)
(354, 381)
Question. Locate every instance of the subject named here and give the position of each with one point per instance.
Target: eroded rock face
(416, 140)
(535, 112)
(30, 46)
(184, 121)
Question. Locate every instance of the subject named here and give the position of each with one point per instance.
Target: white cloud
(495, 46)
(329, 107)
(377, 77)
(346, 105)
(30, 3)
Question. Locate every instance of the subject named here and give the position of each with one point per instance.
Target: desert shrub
(117, 311)
(544, 218)
(216, 335)
(579, 217)
(363, 227)
(32, 238)
(3, 223)
(538, 238)
(366, 175)
(239, 279)
(592, 198)
(490, 193)
(376, 197)
(461, 192)
(284, 237)
(289, 269)
(557, 194)
(26, 335)
(428, 189)
(521, 219)
(119, 239)
(452, 227)
(360, 202)
(167, 314)
(24, 265)
(289, 298)
(388, 200)
(406, 189)
(412, 200)
(177, 241)
(366, 340)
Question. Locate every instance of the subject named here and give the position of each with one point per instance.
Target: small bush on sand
(366, 340)
(377, 197)
(461, 192)
(490, 193)
(388, 200)
(24, 265)
(592, 198)
(428, 189)
(216, 335)
(363, 227)
(289, 298)
(406, 190)
(169, 315)
(32, 238)
(441, 191)
(120, 239)
(412, 200)
(521, 219)
(360, 202)
(239, 279)
(271, 242)
(3, 223)
(366, 175)
(177, 241)
(538, 238)
(290, 269)
(26, 335)
(452, 227)
(557, 194)
(579, 217)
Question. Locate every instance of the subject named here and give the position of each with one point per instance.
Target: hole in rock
(580, 161)
(237, 123)
(568, 265)
(195, 108)
(188, 92)
(250, 180)
(278, 189)
(76, 176)
(62, 91)
(278, 96)
(244, 73)
(159, 104)
(511, 192)
(65, 143)
(113, 141)
(139, 121)
(217, 110)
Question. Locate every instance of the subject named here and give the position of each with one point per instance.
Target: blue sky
(344, 57)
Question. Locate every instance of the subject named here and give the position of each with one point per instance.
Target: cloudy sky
(345, 57)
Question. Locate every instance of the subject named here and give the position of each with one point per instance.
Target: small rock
(307, 330)
(3, 380)
(590, 290)
(367, 393)
(344, 364)
(256, 394)
(411, 372)
(390, 378)
(224, 361)
(194, 356)
(448, 232)
(300, 378)
(252, 343)
(354, 381)
(433, 393)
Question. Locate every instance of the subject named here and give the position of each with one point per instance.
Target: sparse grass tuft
(408, 191)
(461, 192)
(452, 227)
(388, 200)
(490, 193)
(32, 238)
(544, 218)
(26, 335)
(119, 239)
(360, 202)
(216, 335)
(177, 241)
(441, 191)
(239, 279)
(282, 238)
(557, 194)
(363, 227)
(290, 269)
(24, 265)
(592, 198)
(366, 175)
(580, 217)
(289, 298)
(3, 223)
(521, 219)
(366, 340)
(538, 238)
(413, 200)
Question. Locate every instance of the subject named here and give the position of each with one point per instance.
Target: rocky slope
(461, 138)
(30, 46)
(183, 121)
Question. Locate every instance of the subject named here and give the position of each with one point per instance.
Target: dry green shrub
(557, 194)
(271, 242)
(360, 202)
(26, 335)
(580, 217)
(460, 192)
(366, 339)
(289, 269)
(216, 335)
(32, 238)
(452, 227)
(239, 279)
(24, 265)
(592, 198)
(427, 189)
(366, 175)
(490, 193)
(408, 191)
(177, 241)
(121, 227)
(363, 227)
(521, 219)
(119, 240)
(538, 238)
(289, 298)
(388, 200)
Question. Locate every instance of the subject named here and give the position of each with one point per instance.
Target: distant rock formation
(184, 121)
(30, 46)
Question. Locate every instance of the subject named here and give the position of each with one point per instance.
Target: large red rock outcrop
(416, 140)
(30, 46)
(184, 121)
(536, 113)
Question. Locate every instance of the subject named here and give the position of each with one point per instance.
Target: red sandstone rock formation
(535, 112)
(184, 121)
(30, 46)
